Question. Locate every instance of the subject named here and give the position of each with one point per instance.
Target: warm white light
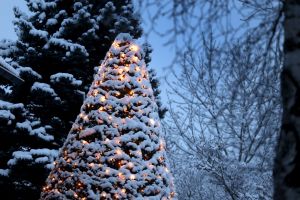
(119, 152)
(123, 55)
(132, 177)
(121, 176)
(151, 121)
(134, 47)
(130, 165)
(91, 165)
(95, 92)
(115, 44)
(102, 99)
(103, 194)
(101, 108)
(84, 142)
(135, 59)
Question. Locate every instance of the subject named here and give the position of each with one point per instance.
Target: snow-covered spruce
(114, 149)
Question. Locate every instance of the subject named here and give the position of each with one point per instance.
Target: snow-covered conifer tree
(115, 149)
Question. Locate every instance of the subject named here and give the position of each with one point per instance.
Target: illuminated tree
(114, 149)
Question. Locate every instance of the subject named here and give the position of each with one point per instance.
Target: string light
(137, 69)
(101, 108)
(119, 152)
(123, 55)
(135, 59)
(151, 121)
(132, 177)
(102, 98)
(91, 165)
(121, 176)
(115, 44)
(122, 77)
(126, 68)
(84, 142)
(131, 92)
(130, 165)
(103, 194)
(134, 48)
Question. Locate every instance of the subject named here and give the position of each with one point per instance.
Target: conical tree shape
(114, 149)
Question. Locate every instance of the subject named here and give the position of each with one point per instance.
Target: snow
(7, 47)
(28, 70)
(65, 76)
(5, 114)
(39, 132)
(39, 33)
(37, 86)
(38, 155)
(51, 22)
(69, 46)
(4, 172)
(8, 106)
(8, 67)
(6, 88)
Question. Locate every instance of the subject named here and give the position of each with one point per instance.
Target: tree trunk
(287, 161)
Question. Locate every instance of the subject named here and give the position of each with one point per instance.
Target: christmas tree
(114, 149)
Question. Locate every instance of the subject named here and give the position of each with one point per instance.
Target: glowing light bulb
(107, 171)
(122, 77)
(135, 59)
(86, 118)
(132, 177)
(119, 152)
(84, 142)
(121, 176)
(75, 195)
(102, 99)
(151, 121)
(123, 190)
(131, 92)
(126, 68)
(103, 194)
(137, 69)
(120, 71)
(123, 55)
(91, 165)
(134, 47)
(95, 93)
(115, 44)
(130, 165)
(101, 108)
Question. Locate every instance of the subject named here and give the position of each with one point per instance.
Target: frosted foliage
(40, 132)
(114, 149)
(43, 87)
(6, 66)
(6, 89)
(59, 77)
(38, 156)
(68, 46)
